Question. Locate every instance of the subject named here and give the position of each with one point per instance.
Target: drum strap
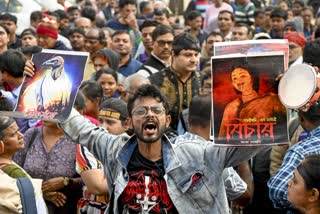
(293, 127)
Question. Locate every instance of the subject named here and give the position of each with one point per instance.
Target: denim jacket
(193, 169)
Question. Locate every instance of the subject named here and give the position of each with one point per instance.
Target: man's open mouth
(150, 126)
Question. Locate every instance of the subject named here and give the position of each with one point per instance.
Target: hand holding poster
(50, 93)
(246, 106)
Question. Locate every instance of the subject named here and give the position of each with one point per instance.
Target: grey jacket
(181, 163)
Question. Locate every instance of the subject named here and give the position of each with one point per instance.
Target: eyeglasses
(162, 43)
(142, 111)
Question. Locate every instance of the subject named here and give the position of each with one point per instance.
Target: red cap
(44, 30)
(48, 27)
(296, 37)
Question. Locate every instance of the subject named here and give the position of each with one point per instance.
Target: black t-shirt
(146, 191)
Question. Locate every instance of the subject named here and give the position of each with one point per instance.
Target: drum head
(297, 86)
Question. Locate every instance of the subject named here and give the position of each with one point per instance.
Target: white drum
(299, 87)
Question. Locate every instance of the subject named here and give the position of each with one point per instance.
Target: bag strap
(146, 69)
(27, 196)
(33, 137)
(293, 127)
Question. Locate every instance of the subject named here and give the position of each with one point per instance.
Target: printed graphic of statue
(52, 91)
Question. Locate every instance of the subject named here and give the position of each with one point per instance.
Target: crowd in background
(133, 43)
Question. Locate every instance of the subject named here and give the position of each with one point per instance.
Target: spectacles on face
(142, 111)
(162, 43)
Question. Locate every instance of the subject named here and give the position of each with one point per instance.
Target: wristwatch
(67, 181)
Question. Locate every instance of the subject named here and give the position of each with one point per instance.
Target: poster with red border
(50, 93)
(246, 107)
(253, 46)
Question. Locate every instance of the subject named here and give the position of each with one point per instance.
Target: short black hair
(185, 41)
(214, 33)
(299, 2)
(205, 76)
(80, 101)
(12, 61)
(88, 12)
(309, 169)
(242, 24)
(72, 8)
(279, 13)
(62, 14)
(257, 13)
(28, 31)
(143, 5)
(76, 30)
(119, 32)
(269, 8)
(5, 122)
(161, 30)
(313, 113)
(9, 17)
(204, 63)
(123, 3)
(5, 28)
(91, 89)
(200, 111)
(148, 23)
(229, 12)
(106, 71)
(36, 15)
(51, 13)
(160, 12)
(148, 90)
(5, 104)
(311, 53)
(193, 14)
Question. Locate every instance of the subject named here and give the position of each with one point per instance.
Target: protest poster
(50, 93)
(246, 107)
(253, 46)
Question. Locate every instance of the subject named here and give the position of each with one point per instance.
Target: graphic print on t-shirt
(146, 191)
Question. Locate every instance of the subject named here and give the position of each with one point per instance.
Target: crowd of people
(138, 137)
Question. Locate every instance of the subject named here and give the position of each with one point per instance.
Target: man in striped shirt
(244, 11)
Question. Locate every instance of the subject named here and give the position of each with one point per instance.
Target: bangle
(67, 181)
